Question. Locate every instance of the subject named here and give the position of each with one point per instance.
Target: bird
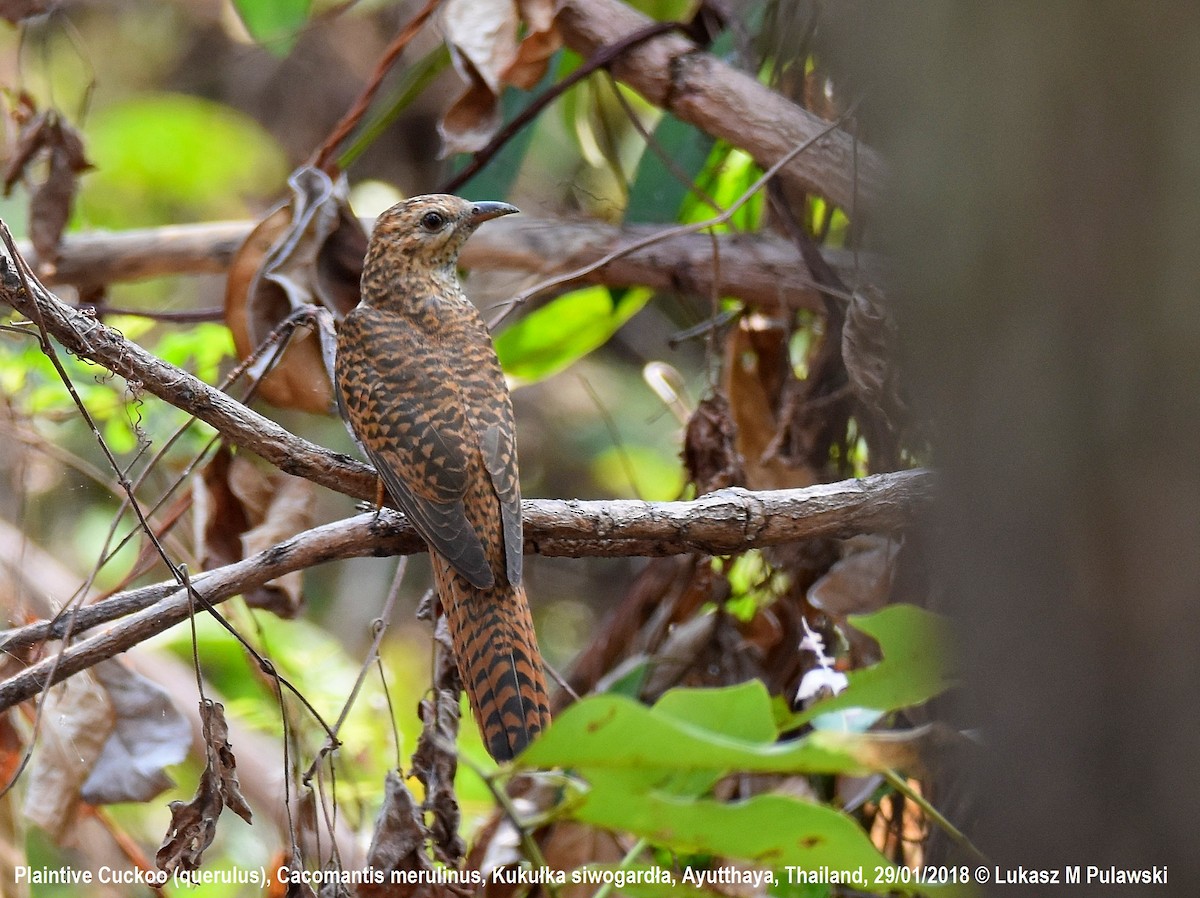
(422, 390)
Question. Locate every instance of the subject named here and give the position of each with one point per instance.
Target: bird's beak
(481, 212)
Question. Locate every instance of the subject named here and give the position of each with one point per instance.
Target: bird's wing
(417, 439)
(500, 458)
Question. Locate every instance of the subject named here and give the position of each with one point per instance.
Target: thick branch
(672, 72)
(720, 523)
(764, 271)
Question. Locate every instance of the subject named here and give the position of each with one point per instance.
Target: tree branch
(88, 338)
(673, 73)
(762, 270)
(720, 523)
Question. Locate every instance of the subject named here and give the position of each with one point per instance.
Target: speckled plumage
(420, 384)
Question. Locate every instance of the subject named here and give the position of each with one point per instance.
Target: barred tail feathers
(498, 660)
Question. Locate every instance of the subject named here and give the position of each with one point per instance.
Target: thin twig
(721, 218)
(385, 615)
(323, 158)
(598, 60)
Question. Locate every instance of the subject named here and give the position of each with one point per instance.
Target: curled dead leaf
(860, 581)
(758, 376)
(306, 252)
(710, 451)
(483, 39)
(398, 842)
(194, 823)
(46, 136)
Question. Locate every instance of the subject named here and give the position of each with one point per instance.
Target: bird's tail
(498, 660)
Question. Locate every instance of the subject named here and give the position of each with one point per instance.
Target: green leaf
(166, 158)
(563, 331)
(275, 24)
(742, 711)
(657, 192)
(608, 732)
(727, 175)
(773, 830)
(916, 647)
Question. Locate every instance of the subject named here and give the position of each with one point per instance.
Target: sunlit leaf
(563, 331)
(607, 732)
(727, 176)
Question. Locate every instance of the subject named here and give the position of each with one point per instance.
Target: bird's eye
(433, 221)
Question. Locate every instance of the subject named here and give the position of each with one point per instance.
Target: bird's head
(428, 231)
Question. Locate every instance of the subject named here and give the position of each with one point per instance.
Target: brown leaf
(149, 734)
(482, 37)
(194, 824)
(16, 10)
(76, 721)
(757, 375)
(860, 581)
(241, 509)
(399, 840)
(306, 252)
(47, 135)
(535, 51)
(219, 516)
(470, 123)
(290, 509)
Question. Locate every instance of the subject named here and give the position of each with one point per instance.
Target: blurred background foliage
(197, 110)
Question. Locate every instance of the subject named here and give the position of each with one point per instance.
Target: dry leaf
(757, 373)
(860, 581)
(482, 33)
(46, 136)
(399, 841)
(194, 824)
(307, 252)
(470, 123)
(869, 340)
(542, 41)
(482, 37)
(241, 509)
(77, 719)
(149, 734)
